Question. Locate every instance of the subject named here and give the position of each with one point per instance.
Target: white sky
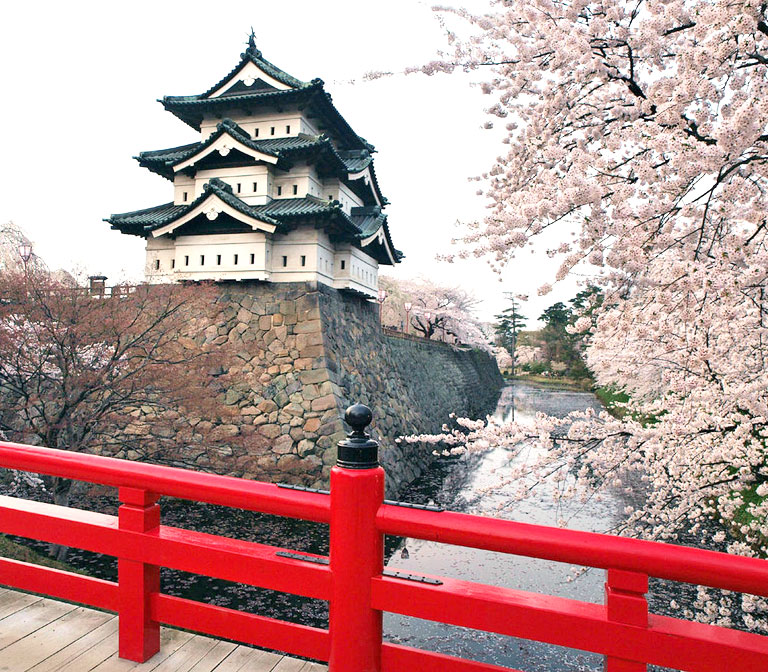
(80, 82)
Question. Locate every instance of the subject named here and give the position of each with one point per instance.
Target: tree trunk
(61, 490)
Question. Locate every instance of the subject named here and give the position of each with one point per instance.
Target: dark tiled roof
(190, 109)
(143, 222)
(162, 161)
(254, 55)
(356, 159)
(368, 220)
(299, 207)
(282, 213)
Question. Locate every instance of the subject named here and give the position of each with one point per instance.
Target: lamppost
(25, 252)
(382, 299)
(407, 305)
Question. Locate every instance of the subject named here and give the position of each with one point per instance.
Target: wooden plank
(13, 601)
(170, 642)
(248, 660)
(290, 665)
(52, 638)
(79, 648)
(26, 621)
(211, 659)
(193, 650)
(42, 635)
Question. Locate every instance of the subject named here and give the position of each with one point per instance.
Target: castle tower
(279, 188)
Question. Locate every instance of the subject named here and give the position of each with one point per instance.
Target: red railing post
(625, 603)
(139, 635)
(357, 549)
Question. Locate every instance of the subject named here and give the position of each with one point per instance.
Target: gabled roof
(253, 92)
(361, 227)
(254, 55)
(373, 229)
(356, 164)
(144, 222)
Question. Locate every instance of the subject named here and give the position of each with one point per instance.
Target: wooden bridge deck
(42, 635)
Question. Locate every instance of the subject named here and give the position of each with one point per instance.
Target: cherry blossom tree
(637, 137)
(436, 311)
(86, 373)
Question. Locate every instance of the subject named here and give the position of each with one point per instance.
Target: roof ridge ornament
(252, 51)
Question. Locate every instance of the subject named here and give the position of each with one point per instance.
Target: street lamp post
(25, 252)
(407, 305)
(382, 299)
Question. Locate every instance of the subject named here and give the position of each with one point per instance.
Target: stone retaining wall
(304, 353)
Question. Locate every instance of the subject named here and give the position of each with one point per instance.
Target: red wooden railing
(354, 580)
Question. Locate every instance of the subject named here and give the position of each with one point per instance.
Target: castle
(279, 188)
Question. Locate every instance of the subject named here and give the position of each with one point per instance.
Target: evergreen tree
(508, 324)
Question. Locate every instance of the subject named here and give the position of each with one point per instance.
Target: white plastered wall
(285, 124)
(208, 257)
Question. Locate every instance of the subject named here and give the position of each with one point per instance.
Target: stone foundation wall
(304, 353)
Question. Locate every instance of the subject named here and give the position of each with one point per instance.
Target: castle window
(157, 264)
(255, 187)
(279, 191)
(330, 197)
(202, 260)
(272, 130)
(285, 261)
(184, 196)
(303, 260)
(253, 259)
(343, 264)
(255, 132)
(238, 187)
(287, 129)
(218, 260)
(235, 260)
(186, 260)
(173, 263)
(295, 189)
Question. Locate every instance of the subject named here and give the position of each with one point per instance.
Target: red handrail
(171, 481)
(663, 561)
(354, 583)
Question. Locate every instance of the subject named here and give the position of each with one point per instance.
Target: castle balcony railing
(353, 579)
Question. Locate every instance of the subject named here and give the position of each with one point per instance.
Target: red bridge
(353, 580)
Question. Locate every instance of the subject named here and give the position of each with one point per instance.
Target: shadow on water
(476, 484)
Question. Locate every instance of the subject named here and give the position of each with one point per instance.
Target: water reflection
(481, 485)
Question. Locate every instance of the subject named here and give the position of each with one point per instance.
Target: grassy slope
(9, 549)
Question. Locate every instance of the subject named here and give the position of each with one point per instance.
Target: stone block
(277, 320)
(270, 431)
(282, 444)
(314, 376)
(265, 322)
(308, 327)
(312, 424)
(312, 351)
(305, 447)
(267, 406)
(324, 403)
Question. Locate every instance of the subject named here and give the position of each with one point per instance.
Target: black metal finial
(358, 450)
(252, 39)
